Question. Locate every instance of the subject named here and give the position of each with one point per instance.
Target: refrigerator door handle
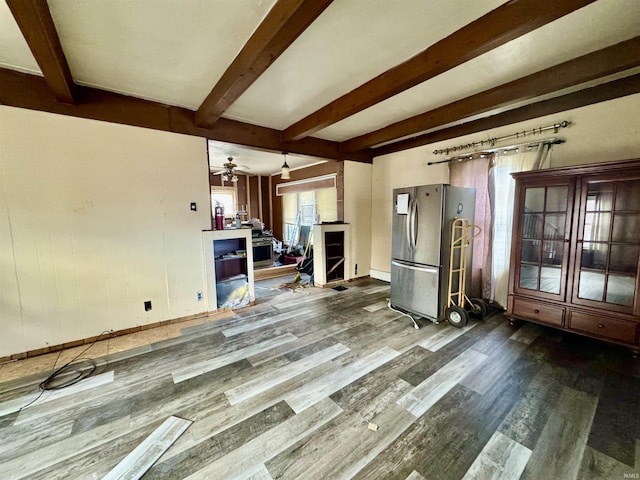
(400, 263)
(408, 219)
(411, 225)
(414, 233)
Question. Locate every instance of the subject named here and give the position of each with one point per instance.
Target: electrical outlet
(193, 206)
(199, 296)
(147, 305)
(356, 272)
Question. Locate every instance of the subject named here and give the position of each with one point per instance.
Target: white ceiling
(14, 51)
(350, 43)
(164, 50)
(259, 162)
(174, 52)
(549, 45)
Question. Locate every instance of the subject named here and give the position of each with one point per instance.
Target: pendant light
(284, 173)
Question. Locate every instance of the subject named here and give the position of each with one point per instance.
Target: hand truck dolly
(459, 306)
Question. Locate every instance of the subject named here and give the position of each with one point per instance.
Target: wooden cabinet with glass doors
(576, 249)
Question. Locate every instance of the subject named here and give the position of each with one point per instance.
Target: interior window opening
(225, 197)
(304, 209)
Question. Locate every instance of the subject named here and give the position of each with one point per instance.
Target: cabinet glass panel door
(610, 247)
(543, 245)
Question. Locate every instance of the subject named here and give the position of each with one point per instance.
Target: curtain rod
(469, 156)
(492, 141)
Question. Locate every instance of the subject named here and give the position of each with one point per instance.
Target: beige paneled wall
(598, 133)
(94, 220)
(402, 169)
(327, 204)
(357, 212)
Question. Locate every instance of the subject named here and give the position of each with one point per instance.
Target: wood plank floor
(322, 384)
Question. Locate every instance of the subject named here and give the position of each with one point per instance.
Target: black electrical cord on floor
(77, 371)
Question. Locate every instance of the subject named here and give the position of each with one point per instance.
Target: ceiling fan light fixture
(284, 173)
(229, 173)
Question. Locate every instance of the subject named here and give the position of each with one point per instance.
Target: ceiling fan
(229, 170)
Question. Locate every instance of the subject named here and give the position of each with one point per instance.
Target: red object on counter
(219, 216)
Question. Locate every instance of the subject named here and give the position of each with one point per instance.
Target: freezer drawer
(415, 288)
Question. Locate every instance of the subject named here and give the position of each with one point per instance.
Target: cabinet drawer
(602, 326)
(538, 312)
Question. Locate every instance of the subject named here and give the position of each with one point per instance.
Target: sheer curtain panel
(501, 194)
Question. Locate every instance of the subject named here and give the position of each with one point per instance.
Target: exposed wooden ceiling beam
(509, 21)
(610, 60)
(601, 93)
(31, 92)
(35, 22)
(282, 25)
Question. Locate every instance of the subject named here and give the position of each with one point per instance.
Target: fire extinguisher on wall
(219, 215)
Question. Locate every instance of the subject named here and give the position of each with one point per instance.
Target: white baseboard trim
(380, 275)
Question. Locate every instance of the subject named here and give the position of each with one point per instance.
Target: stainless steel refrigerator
(421, 242)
